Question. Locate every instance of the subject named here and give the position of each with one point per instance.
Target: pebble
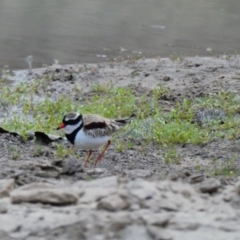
(44, 193)
(209, 185)
(6, 186)
(113, 203)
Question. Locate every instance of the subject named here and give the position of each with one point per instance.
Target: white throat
(70, 128)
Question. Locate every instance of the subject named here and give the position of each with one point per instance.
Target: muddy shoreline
(131, 194)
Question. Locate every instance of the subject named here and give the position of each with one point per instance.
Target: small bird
(90, 131)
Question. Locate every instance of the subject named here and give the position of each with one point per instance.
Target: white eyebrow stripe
(72, 118)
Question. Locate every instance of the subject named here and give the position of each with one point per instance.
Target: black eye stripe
(73, 121)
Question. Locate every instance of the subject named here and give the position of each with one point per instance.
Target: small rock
(113, 203)
(44, 138)
(71, 166)
(44, 193)
(185, 226)
(169, 205)
(57, 163)
(44, 174)
(174, 176)
(196, 178)
(106, 182)
(30, 135)
(90, 171)
(209, 186)
(99, 170)
(142, 189)
(196, 80)
(200, 206)
(4, 235)
(119, 221)
(139, 173)
(3, 206)
(152, 204)
(157, 219)
(237, 187)
(135, 232)
(194, 64)
(47, 167)
(95, 194)
(166, 78)
(186, 194)
(185, 189)
(227, 196)
(159, 233)
(228, 226)
(6, 186)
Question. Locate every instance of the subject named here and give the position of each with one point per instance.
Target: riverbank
(173, 172)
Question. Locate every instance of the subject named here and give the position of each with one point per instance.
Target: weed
(29, 60)
(101, 88)
(226, 168)
(89, 178)
(16, 155)
(134, 73)
(37, 151)
(170, 155)
(150, 125)
(62, 152)
(225, 171)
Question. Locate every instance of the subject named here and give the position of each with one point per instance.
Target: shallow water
(99, 30)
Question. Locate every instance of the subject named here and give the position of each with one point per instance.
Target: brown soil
(189, 77)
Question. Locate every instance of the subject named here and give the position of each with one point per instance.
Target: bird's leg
(88, 157)
(101, 155)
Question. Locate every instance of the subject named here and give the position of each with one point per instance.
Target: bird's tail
(123, 121)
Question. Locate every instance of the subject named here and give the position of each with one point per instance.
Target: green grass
(113, 103)
(41, 112)
(227, 168)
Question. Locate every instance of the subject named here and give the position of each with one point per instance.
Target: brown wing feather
(96, 125)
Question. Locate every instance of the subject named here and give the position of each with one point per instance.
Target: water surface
(99, 30)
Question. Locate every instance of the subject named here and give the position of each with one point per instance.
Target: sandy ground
(130, 195)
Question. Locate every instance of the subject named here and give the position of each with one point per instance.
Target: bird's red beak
(61, 126)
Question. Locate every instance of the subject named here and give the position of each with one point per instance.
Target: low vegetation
(32, 107)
